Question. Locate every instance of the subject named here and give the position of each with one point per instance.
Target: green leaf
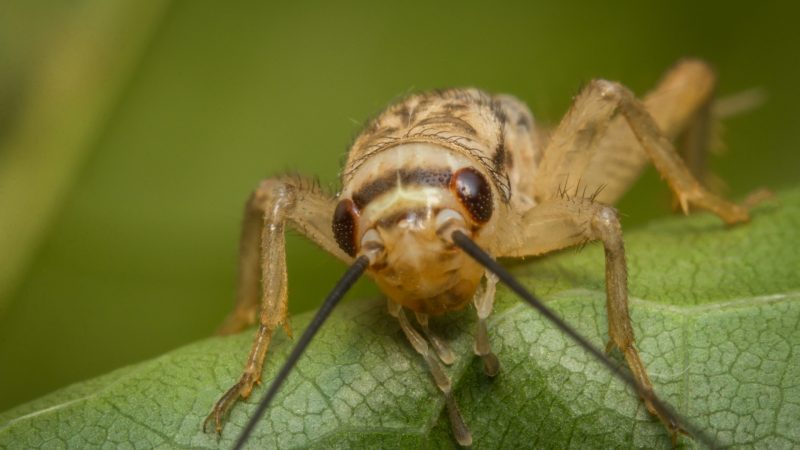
(716, 311)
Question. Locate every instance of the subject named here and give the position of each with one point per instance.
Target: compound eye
(474, 193)
(345, 218)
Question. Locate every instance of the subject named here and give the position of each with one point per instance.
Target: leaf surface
(716, 311)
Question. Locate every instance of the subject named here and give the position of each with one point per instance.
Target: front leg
(460, 430)
(567, 221)
(263, 255)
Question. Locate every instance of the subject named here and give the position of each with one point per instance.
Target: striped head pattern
(406, 190)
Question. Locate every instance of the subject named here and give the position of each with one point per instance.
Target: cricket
(442, 183)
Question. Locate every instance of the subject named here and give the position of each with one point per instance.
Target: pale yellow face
(401, 212)
(420, 269)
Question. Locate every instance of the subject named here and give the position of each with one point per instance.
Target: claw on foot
(730, 213)
(241, 389)
(217, 423)
(675, 431)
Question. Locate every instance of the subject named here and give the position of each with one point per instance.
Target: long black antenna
(345, 283)
(477, 253)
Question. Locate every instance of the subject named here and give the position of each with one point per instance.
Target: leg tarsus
(639, 372)
(242, 389)
(250, 377)
(730, 213)
(631, 355)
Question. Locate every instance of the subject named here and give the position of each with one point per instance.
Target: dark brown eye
(474, 193)
(344, 226)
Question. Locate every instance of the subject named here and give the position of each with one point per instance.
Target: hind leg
(584, 131)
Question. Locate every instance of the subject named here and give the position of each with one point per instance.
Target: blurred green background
(131, 132)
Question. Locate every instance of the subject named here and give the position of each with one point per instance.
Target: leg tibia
(606, 227)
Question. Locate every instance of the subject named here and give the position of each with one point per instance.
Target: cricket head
(402, 219)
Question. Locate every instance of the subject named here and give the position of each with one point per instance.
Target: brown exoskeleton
(464, 162)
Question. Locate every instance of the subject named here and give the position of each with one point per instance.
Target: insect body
(463, 163)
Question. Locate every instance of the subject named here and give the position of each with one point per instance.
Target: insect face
(400, 211)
